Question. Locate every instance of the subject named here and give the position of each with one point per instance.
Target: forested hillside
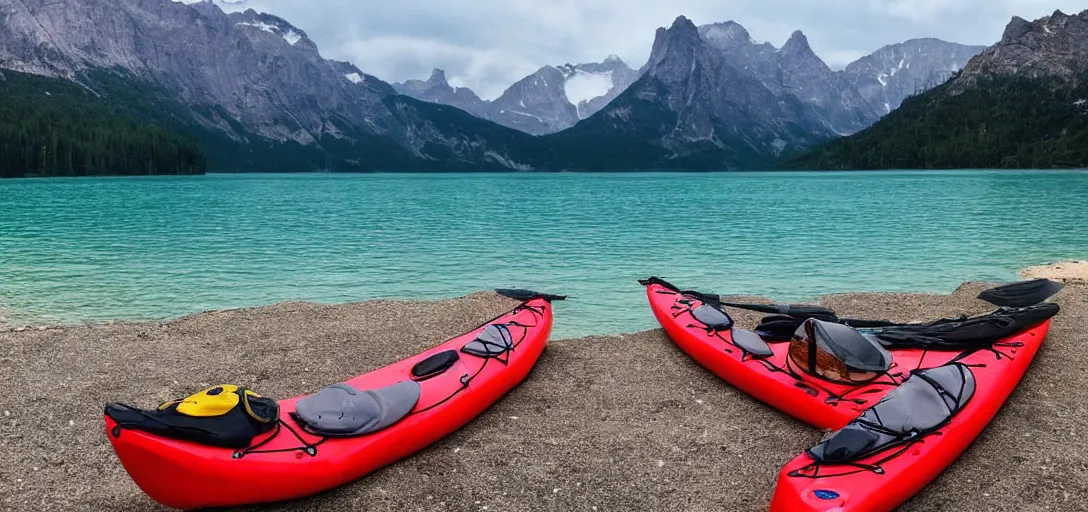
(54, 127)
(999, 122)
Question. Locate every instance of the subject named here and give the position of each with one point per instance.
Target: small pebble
(555, 491)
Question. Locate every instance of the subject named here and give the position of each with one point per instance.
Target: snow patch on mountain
(292, 37)
(583, 86)
(288, 35)
(354, 78)
(526, 114)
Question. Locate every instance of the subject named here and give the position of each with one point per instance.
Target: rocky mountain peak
(1015, 30)
(797, 44)
(1052, 46)
(207, 9)
(728, 34)
(797, 57)
(894, 72)
(438, 78)
(682, 36)
(682, 32)
(682, 23)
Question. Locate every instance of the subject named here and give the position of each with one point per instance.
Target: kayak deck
(885, 477)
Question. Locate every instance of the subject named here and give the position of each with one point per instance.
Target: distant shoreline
(1070, 271)
(635, 171)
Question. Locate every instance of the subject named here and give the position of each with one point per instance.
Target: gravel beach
(607, 423)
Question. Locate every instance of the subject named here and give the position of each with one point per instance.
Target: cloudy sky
(489, 44)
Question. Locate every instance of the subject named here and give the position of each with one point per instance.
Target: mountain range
(555, 98)
(256, 94)
(710, 97)
(551, 99)
(252, 86)
(1021, 103)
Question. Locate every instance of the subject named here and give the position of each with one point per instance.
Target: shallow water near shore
(76, 250)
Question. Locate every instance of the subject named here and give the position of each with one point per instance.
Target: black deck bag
(923, 404)
(227, 416)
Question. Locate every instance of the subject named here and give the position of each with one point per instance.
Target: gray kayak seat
(853, 348)
(341, 410)
(921, 405)
(751, 343)
(495, 340)
(712, 317)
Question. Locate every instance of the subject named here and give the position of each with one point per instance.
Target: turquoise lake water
(76, 250)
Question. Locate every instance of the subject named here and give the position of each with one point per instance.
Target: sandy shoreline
(604, 423)
(1064, 271)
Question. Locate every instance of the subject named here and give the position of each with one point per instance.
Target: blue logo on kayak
(825, 495)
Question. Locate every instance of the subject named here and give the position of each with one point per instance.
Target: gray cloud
(489, 44)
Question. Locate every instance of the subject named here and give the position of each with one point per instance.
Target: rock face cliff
(891, 74)
(1055, 46)
(794, 70)
(250, 77)
(699, 105)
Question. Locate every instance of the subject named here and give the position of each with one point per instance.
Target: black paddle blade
(527, 295)
(1021, 294)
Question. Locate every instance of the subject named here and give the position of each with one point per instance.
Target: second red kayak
(768, 372)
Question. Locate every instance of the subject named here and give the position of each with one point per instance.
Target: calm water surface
(75, 250)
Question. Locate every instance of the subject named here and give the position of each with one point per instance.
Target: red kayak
(456, 382)
(766, 370)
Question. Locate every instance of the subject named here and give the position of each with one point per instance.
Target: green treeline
(54, 127)
(999, 122)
